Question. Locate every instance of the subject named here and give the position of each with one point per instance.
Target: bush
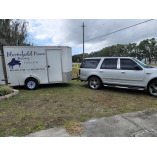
(4, 90)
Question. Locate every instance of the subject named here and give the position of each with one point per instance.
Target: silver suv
(123, 72)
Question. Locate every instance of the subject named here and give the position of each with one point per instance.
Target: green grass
(75, 73)
(152, 64)
(59, 104)
(76, 65)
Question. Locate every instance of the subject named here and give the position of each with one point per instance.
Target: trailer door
(54, 66)
(2, 82)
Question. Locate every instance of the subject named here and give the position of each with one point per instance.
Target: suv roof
(106, 57)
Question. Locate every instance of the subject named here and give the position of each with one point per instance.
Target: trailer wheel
(31, 83)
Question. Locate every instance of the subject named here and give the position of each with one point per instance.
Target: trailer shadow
(120, 90)
(56, 85)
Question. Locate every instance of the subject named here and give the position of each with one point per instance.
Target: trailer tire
(31, 83)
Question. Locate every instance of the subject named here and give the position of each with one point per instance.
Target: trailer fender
(31, 83)
(34, 77)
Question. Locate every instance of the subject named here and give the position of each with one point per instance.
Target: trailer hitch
(77, 78)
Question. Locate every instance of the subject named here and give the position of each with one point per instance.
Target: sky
(68, 32)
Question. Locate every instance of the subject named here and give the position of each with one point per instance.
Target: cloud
(69, 32)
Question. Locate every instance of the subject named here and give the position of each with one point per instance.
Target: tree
(13, 33)
(153, 49)
(146, 49)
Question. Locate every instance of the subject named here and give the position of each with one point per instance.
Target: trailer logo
(13, 63)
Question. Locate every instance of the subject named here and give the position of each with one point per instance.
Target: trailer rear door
(54, 65)
(2, 82)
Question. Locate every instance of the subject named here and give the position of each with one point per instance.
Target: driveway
(135, 124)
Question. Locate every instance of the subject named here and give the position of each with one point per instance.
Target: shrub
(4, 90)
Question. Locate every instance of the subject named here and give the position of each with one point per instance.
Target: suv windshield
(142, 64)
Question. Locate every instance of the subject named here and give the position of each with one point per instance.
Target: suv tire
(94, 83)
(152, 88)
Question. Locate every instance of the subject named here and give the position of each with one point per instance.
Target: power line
(120, 30)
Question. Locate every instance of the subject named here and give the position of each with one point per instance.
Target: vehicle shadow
(120, 90)
(67, 85)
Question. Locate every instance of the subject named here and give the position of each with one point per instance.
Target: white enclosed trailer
(34, 65)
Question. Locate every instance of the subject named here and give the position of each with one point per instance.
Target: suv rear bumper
(83, 78)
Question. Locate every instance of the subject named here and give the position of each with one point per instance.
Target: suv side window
(90, 63)
(127, 64)
(109, 64)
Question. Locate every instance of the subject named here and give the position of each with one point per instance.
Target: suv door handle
(123, 72)
(148, 73)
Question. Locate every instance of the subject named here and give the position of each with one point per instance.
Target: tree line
(13, 33)
(146, 49)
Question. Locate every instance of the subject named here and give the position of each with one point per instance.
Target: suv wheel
(152, 88)
(94, 83)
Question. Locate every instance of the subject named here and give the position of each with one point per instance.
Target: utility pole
(83, 38)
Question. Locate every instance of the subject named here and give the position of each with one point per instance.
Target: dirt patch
(74, 128)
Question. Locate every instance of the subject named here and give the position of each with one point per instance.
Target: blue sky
(68, 32)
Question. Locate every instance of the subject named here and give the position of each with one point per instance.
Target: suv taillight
(79, 71)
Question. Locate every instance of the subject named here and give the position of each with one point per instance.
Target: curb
(15, 92)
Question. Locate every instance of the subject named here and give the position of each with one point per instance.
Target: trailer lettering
(38, 54)
(24, 54)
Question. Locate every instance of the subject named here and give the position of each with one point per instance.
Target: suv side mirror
(137, 67)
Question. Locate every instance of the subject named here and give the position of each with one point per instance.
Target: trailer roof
(37, 46)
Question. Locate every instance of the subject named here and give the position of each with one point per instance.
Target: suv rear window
(90, 63)
(109, 64)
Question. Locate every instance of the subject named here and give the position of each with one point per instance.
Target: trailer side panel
(25, 62)
(67, 64)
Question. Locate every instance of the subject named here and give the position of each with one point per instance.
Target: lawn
(59, 104)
